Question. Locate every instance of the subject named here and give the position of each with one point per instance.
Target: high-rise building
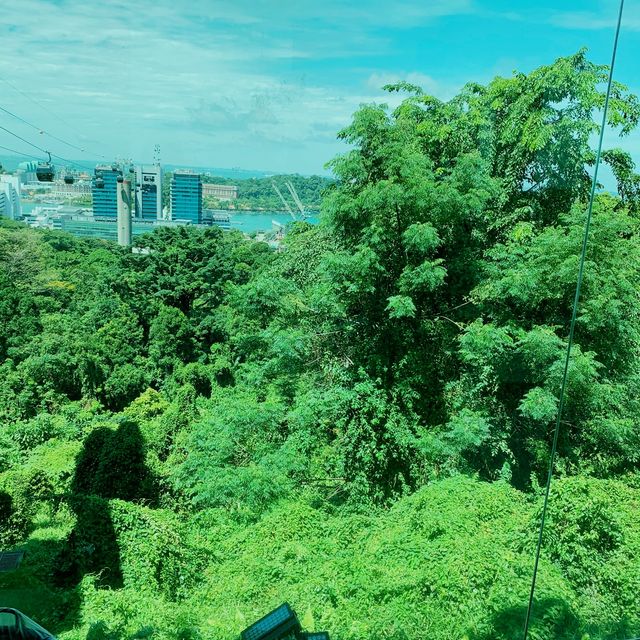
(149, 192)
(10, 201)
(186, 196)
(105, 197)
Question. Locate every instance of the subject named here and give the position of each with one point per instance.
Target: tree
(426, 200)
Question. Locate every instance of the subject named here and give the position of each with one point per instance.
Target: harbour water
(245, 221)
(255, 221)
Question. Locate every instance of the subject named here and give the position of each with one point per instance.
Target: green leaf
(401, 307)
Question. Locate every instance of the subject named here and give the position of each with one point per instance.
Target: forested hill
(258, 193)
(358, 424)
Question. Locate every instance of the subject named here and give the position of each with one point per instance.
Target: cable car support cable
(572, 325)
(45, 132)
(19, 153)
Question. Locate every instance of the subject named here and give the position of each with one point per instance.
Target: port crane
(296, 200)
(284, 202)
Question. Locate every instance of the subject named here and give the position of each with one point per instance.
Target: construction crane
(296, 199)
(284, 202)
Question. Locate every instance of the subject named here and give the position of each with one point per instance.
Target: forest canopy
(359, 423)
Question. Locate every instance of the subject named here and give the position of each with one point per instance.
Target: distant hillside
(257, 193)
(234, 172)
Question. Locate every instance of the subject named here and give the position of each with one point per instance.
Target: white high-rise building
(10, 202)
(149, 192)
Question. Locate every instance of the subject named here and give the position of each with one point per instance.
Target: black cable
(572, 327)
(69, 161)
(41, 130)
(15, 135)
(36, 102)
(21, 119)
(35, 146)
(20, 153)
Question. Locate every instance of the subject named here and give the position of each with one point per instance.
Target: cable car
(44, 170)
(120, 178)
(16, 626)
(69, 179)
(98, 181)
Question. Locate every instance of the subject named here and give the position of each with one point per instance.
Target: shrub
(236, 458)
(28, 434)
(154, 555)
(16, 512)
(124, 385)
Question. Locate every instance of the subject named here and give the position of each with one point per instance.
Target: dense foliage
(359, 423)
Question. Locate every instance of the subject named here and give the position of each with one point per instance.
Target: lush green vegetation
(358, 424)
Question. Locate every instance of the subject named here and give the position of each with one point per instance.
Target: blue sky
(263, 84)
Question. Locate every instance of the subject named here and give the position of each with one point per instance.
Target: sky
(267, 84)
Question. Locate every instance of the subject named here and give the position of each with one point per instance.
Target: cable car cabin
(280, 624)
(69, 179)
(16, 626)
(44, 172)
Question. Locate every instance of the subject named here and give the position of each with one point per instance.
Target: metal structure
(280, 624)
(296, 199)
(10, 560)
(14, 625)
(284, 202)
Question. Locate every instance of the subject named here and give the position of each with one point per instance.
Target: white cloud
(428, 84)
(177, 74)
(605, 19)
(220, 82)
